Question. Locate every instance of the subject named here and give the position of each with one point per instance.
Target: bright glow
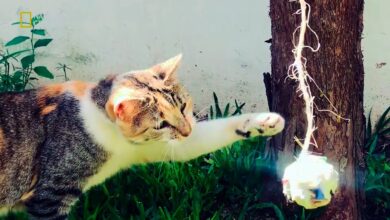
(309, 181)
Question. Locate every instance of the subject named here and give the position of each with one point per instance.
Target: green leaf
(44, 72)
(226, 111)
(303, 215)
(218, 112)
(369, 126)
(36, 19)
(17, 53)
(19, 86)
(17, 75)
(27, 60)
(16, 40)
(13, 55)
(386, 167)
(41, 32)
(42, 42)
(387, 122)
(2, 60)
(18, 22)
(238, 108)
(380, 125)
(373, 144)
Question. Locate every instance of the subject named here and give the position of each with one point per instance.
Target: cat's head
(151, 105)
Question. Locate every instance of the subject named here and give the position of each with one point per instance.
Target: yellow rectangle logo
(25, 19)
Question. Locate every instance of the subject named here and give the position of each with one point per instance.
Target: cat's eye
(163, 124)
(183, 107)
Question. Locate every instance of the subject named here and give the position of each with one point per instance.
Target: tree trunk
(337, 68)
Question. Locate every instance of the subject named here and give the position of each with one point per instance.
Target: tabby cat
(59, 140)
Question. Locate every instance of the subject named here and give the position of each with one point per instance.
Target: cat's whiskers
(172, 152)
(165, 158)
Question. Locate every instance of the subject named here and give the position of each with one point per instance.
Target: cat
(59, 140)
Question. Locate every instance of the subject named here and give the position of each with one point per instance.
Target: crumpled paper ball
(310, 181)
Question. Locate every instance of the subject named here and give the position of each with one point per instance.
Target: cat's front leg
(212, 135)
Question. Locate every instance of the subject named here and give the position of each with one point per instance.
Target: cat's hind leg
(51, 202)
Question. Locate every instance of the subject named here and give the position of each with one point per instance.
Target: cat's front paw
(261, 124)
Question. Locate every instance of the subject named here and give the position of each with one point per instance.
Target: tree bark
(337, 68)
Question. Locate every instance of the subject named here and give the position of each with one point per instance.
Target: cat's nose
(185, 130)
(185, 134)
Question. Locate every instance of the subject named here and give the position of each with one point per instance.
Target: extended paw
(263, 124)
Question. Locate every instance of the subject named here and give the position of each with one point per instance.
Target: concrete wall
(376, 51)
(222, 42)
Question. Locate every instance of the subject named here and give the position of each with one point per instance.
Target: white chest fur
(122, 154)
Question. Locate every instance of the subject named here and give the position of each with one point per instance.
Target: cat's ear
(166, 71)
(125, 110)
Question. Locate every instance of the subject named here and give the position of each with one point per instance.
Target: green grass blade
(373, 144)
(238, 108)
(211, 113)
(382, 119)
(218, 112)
(369, 126)
(226, 112)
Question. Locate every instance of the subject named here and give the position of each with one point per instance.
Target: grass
(223, 185)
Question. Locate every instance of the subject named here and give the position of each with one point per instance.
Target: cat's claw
(262, 124)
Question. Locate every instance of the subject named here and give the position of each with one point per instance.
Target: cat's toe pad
(269, 124)
(264, 124)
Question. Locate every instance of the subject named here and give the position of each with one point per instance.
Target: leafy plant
(218, 112)
(378, 136)
(377, 186)
(17, 66)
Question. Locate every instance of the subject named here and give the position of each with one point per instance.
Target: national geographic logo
(25, 19)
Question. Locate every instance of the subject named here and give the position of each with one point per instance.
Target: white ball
(310, 181)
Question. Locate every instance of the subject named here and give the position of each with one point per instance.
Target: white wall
(222, 42)
(376, 50)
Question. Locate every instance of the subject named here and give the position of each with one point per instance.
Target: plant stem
(29, 69)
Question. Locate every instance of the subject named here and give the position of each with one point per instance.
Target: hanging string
(310, 181)
(297, 71)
